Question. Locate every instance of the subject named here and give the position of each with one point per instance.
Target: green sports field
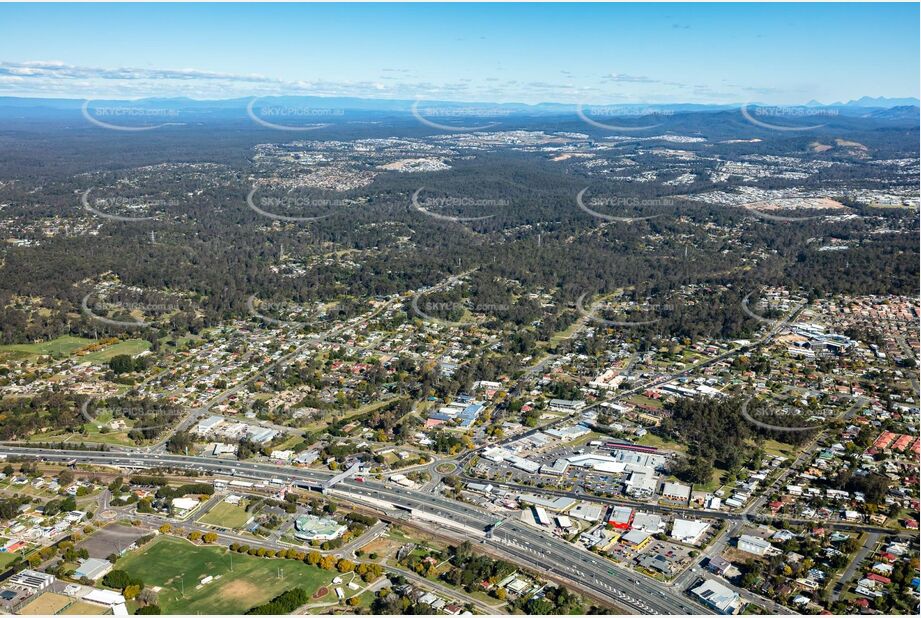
(227, 515)
(62, 346)
(129, 347)
(172, 563)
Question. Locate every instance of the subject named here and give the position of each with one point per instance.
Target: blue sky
(588, 53)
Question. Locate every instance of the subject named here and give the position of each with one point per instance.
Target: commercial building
(93, 569)
(34, 581)
(181, 506)
(558, 468)
(636, 540)
(754, 545)
(599, 463)
(567, 434)
(689, 531)
(587, 511)
(557, 504)
(676, 492)
(313, 528)
(718, 597)
(648, 523)
(206, 426)
(566, 405)
(641, 485)
(621, 517)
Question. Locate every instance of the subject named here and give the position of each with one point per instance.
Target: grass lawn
(172, 563)
(130, 347)
(95, 434)
(292, 441)
(62, 346)
(562, 335)
(651, 439)
(333, 416)
(226, 515)
(645, 401)
(7, 558)
(775, 448)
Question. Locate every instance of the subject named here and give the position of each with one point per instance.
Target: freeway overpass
(522, 543)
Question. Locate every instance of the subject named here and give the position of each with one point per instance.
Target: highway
(523, 544)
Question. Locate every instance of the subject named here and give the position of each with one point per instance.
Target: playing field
(130, 347)
(62, 346)
(176, 564)
(227, 515)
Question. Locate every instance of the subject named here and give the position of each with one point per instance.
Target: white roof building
(105, 597)
(676, 491)
(587, 511)
(647, 522)
(754, 545)
(718, 597)
(689, 531)
(31, 580)
(184, 504)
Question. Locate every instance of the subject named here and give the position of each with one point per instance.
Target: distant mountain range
(406, 105)
(439, 114)
(877, 102)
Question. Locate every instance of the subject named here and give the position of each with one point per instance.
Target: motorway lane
(552, 554)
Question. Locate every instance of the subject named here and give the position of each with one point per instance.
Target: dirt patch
(796, 203)
(380, 546)
(240, 590)
(849, 144)
(321, 592)
(46, 604)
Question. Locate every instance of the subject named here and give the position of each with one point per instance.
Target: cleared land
(111, 539)
(82, 608)
(227, 515)
(46, 604)
(173, 563)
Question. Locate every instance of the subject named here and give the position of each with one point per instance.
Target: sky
(528, 53)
